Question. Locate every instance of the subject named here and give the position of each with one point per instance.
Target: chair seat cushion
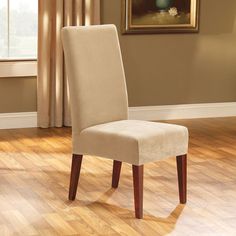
(133, 141)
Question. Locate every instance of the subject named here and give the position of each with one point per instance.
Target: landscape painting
(160, 16)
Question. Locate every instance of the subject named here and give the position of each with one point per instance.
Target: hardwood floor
(35, 173)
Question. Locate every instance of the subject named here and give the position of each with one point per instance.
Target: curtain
(53, 96)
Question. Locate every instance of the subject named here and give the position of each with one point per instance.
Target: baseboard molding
(186, 111)
(18, 120)
(169, 112)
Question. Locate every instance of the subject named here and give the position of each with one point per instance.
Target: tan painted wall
(162, 69)
(182, 68)
(17, 94)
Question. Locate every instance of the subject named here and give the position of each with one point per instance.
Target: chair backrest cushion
(96, 75)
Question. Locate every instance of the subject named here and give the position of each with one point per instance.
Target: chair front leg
(116, 173)
(74, 176)
(138, 190)
(182, 177)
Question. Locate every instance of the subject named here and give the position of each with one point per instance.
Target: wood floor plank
(59, 224)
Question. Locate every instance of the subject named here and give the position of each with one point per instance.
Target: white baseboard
(18, 120)
(169, 112)
(186, 111)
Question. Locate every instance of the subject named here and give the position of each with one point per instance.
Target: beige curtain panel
(53, 97)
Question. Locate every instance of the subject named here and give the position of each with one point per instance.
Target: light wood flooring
(34, 179)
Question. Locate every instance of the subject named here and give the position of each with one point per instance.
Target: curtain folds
(53, 95)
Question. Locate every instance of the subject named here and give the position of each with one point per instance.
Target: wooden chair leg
(138, 190)
(116, 173)
(74, 176)
(182, 177)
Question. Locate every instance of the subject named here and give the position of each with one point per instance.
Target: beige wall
(162, 69)
(17, 94)
(181, 68)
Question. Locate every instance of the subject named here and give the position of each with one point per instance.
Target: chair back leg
(182, 177)
(138, 190)
(74, 176)
(116, 173)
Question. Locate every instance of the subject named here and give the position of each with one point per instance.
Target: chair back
(95, 74)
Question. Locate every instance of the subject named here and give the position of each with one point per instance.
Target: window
(18, 29)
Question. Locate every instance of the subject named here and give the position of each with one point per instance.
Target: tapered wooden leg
(74, 176)
(182, 177)
(138, 190)
(116, 173)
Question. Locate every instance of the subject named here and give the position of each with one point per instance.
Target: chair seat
(133, 141)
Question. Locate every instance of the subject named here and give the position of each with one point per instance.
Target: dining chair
(99, 107)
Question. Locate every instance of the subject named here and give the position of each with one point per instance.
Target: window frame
(16, 67)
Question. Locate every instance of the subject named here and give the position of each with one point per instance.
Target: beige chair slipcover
(99, 104)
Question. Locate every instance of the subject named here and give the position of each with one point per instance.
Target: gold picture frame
(160, 16)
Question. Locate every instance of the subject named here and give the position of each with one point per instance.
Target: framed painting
(160, 16)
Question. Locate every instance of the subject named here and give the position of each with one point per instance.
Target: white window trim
(18, 68)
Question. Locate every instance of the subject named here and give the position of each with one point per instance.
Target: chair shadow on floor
(127, 215)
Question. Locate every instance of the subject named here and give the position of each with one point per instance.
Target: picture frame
(160, 16)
